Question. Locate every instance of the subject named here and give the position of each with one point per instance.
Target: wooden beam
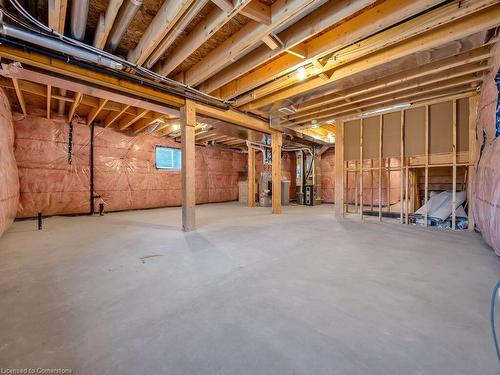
(20, 97)
(86, 78)
(251, 178)
(188, 124)
(76, 102)
(257, 11)
(293, 36)
(179, 28)
(105, 23)
(57, 15)
(339, 170)
(143, 123)
(448, 67)
(237, 44)
(224, 5)
(95, 111)
(368, 102)
(129, 120)
(49, 97)
(450, 31)
(234, 117)
(270, 42)
(202, 32)
(113, 116)
(162, 24)
(276, 144)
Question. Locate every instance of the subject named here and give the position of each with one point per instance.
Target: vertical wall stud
(251, 177)
(454, 168)
(276, 143)
(380, 137)
(339, 170)
(361, 169)
(426, 189)
(401, 166)
(473, 155)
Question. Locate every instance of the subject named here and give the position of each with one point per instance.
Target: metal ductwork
(79, 14)
(57, 45)
(123, 20)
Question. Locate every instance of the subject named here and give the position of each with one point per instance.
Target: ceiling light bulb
(301, 73)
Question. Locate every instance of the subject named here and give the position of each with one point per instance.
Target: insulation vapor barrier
(54, 166)
(9, 181)
(487, 196)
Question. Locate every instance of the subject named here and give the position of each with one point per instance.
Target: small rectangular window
(168, 158)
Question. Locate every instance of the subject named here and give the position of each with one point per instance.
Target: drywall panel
(441, 128)
(351, 140)
(391, 136)
(371, 134)
(463, 125)
(415, 131)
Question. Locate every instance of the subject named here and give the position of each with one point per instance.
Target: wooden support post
(426, 188)
(361, 169)
(380, 137)
(188, 124)
(339, 170)
(473, 155)
(276, 143)
(454, 169)
(251, 178)
(401, 166)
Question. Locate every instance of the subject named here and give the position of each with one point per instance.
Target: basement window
(168, 158)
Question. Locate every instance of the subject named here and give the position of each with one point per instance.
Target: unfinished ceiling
(305, 64)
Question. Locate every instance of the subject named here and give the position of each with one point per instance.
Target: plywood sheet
(463, 125)
(441, 128)
(415, 131)
(391, 137)
(351, 140)
(371, 133)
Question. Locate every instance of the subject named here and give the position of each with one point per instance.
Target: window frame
(172, 150)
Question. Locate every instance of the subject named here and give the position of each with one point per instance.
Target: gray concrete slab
(128, 293)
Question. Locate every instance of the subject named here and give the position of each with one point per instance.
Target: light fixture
(301, 73)
(175, 127)
(314, 124)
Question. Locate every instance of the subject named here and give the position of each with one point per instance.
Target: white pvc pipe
(123, 20)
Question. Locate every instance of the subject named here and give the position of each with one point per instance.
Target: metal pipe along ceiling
(79, 14)
(125, 16)
(56, 45)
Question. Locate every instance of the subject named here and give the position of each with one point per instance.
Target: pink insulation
(487, 196)
(125, 176)
(49, 184)
(9, 180)
(328, 175)
(487, 185)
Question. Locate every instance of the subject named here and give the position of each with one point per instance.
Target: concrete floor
(128, 293)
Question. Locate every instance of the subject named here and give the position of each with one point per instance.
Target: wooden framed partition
(384, 156)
